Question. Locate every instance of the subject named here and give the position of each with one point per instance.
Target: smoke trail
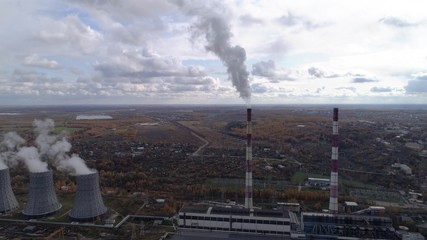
(8, 148)
(30, 155)
(212, 24)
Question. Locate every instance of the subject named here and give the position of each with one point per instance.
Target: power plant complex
(286, 219)
(283, 219)
(42, 201)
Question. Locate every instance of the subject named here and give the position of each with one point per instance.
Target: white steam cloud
(44, 139)
(213, 25)
(30, 155)
(55, 149)
(75, 163)
(51, 148)
(8, 148)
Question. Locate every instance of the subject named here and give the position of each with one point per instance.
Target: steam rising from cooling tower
(51, 149)
(213, 25)
(333, 199)
(55, 149)
(8, 148)
(30, 155)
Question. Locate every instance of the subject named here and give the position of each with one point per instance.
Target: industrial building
(340, 226)
(286, 219)
(7, 198)
(318, 182)
(88, 204)
(261, 221)
(42, 199)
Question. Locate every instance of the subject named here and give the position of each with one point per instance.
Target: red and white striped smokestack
(248, 185)
(333, 199)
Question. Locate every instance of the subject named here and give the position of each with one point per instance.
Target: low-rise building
(274, 222)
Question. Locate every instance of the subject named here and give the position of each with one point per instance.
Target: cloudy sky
(152, 51)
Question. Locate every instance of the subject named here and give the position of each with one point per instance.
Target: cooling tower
(248, 185)
(88, 202)
(7, 198)
(42, 199)
(333, 199)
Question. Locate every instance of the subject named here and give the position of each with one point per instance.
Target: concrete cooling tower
(7, 198)
(42, 199)
(88, 202)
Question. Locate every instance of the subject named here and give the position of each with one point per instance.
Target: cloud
(418, 85)
(34, 60)
(397, 22)
(320, 74)
(268, 70)
(125, 11)
(363, 80)
(352, 89)
(291, 20)
(264, 68)
(142, 65)
(248, 20)
(258, 88)
(71, 33)
(381, 89)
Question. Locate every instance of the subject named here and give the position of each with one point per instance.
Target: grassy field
(373, 195)
(300, 177)
(237, 183)
(66, 129)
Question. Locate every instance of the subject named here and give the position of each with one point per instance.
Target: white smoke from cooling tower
(30, 155)
(75, 164)
(44, 139)
(8, 148)
(56, 149)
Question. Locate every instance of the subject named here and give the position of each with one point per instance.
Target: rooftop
(206, 209)
(184, 234)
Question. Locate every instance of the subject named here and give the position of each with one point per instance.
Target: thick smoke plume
(213, 25)
(8, 148)
(30, 155)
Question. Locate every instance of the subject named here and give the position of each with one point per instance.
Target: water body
(9, 114)
(93, 117)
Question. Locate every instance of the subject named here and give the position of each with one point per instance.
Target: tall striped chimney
(248, 189)
(333, 199)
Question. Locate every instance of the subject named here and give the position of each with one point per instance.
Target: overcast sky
(149, 51)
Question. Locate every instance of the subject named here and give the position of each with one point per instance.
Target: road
(196, 153)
